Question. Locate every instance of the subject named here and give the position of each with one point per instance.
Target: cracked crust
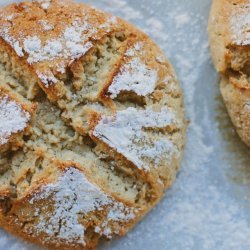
(230, 48)
(107, 127)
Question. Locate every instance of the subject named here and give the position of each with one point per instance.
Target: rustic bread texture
(230, 46)
(102, 118)
(15, 114)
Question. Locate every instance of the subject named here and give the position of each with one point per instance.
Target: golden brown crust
(20, 216)
(79, 57)
(59, 14)
(230, 48)
(237, 103)
(13, 140)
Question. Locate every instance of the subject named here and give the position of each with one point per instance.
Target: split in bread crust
(229, 33)
(101, 126)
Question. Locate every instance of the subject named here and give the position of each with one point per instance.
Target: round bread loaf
(229, 32)
(92, 125)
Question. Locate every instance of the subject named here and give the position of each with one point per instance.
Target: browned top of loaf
(234, 20)
(229, 35)
(135, 118)
(51, 35)
(229, 28)
(15, 115)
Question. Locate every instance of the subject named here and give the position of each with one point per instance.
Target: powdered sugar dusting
(74, 196)
(46, 25)
(78, 50)
(45, 4)
(12, 118)
(4, 33)
(33, 45)
(136, 77)
(240, 23)
(111, 20)
(125, 134)
(47, 78)
(70, 43)
(135, 49)
(203, 210)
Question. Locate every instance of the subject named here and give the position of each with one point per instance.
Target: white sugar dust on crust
(4, 33)
(200, 210)
(45, 4)
(240, 24)
(134, 50)
(71, 44)
(47, 78)
(125, 133)
(46, 25)
(136, 77)
(12, 118)
(74, 196)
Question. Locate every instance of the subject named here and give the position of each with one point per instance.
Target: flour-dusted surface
(13, 118)
(49, 40)
(133, 75)
(205, 209)
(73, 195)
(125, 134)
(240, 23)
